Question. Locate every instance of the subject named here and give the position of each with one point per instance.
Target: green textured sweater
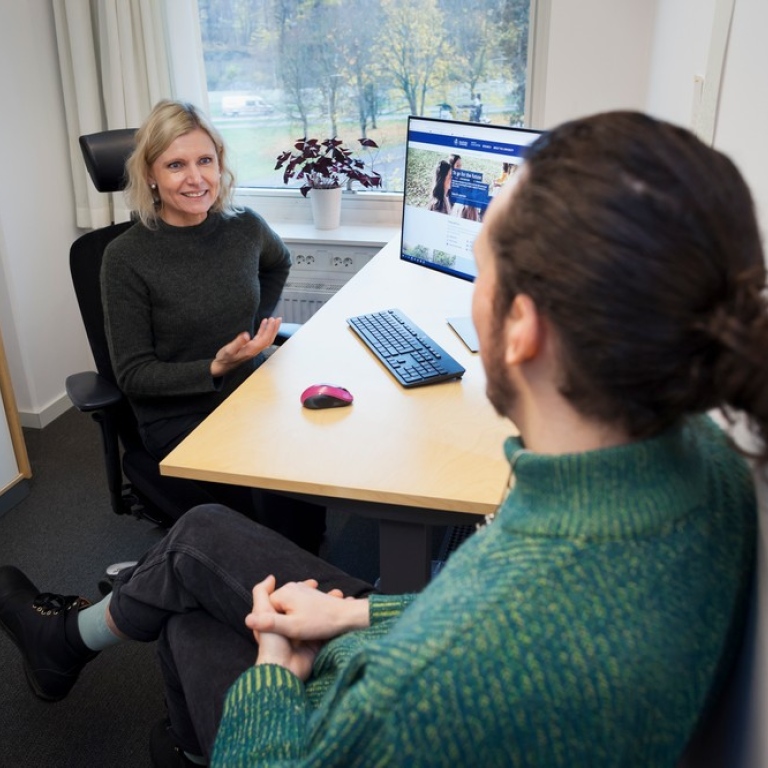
(584, 627)
(173, 296)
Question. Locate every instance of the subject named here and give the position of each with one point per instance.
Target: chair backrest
(85, 257)
(746, 733)
(105, 154)
(734, 734)
(722, 737)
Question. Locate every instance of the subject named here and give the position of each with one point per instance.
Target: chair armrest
(90, 391)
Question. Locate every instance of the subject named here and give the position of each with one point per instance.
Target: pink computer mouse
(325, 396)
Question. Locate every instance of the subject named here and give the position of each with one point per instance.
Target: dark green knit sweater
(175, 295)
(584, 627)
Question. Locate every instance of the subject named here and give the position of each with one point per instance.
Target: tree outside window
(280, 70)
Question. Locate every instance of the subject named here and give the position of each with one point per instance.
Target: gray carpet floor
(63, 534)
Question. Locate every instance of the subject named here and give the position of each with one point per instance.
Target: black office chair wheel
(107, 583)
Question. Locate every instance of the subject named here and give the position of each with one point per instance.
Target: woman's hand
(243, 347)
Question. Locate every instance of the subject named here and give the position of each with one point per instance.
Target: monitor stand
(465, 330)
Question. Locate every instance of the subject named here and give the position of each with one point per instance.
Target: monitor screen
(452, 170)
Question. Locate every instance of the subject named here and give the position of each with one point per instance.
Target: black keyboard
(408, 353)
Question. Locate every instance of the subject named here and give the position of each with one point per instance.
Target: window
(279, 70)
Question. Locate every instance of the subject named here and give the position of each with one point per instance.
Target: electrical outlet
(318, 272)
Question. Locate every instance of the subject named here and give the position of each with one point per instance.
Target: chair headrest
(105, 154)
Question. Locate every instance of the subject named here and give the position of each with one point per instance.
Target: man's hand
(291, 624)
(296, 656)
(302, 612)
(243, 347)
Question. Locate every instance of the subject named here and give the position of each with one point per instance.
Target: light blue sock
(93, 627)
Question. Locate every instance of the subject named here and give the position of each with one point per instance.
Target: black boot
(44, 628)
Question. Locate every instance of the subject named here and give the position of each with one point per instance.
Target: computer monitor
(452, 170)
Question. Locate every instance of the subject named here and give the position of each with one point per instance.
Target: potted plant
(324, 167)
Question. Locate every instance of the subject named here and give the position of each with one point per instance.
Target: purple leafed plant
(326, 164)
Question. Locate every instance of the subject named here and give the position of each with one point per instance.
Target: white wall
(38, 313)
(598, 57)
(680, 49)
(681, 46)
(742, 126)
(644, 54)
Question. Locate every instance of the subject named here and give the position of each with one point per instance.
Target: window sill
(374, 236)
(367, 218)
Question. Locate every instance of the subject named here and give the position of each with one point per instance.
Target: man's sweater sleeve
(267, 711)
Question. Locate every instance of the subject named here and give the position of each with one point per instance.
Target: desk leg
(405, 556)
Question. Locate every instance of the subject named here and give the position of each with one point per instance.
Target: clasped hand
(243, 347)
(291, 624)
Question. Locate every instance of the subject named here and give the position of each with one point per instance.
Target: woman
(442, 188)
(189, 290)
(503, 178)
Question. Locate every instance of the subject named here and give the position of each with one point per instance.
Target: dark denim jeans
(192, 592)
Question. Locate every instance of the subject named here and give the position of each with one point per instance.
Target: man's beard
(499, 388)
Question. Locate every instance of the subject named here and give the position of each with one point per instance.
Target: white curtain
(117, 59)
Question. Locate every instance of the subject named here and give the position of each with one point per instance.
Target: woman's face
(187, 178)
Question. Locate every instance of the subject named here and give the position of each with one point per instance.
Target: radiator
(318, 272)
(302, 298)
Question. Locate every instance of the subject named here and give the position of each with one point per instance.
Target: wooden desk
(411, 458)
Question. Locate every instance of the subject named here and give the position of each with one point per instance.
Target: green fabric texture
(173, 296)
(586, 626)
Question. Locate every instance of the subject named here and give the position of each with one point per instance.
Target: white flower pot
(326, 207)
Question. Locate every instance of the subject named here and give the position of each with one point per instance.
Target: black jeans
(192, 592)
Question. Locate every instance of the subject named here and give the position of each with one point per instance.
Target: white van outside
(231, 106)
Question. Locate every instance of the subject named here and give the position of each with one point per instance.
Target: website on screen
(453, 170)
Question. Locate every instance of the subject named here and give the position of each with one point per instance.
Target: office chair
(136, 486)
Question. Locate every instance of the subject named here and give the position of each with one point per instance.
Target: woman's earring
(153, 186)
